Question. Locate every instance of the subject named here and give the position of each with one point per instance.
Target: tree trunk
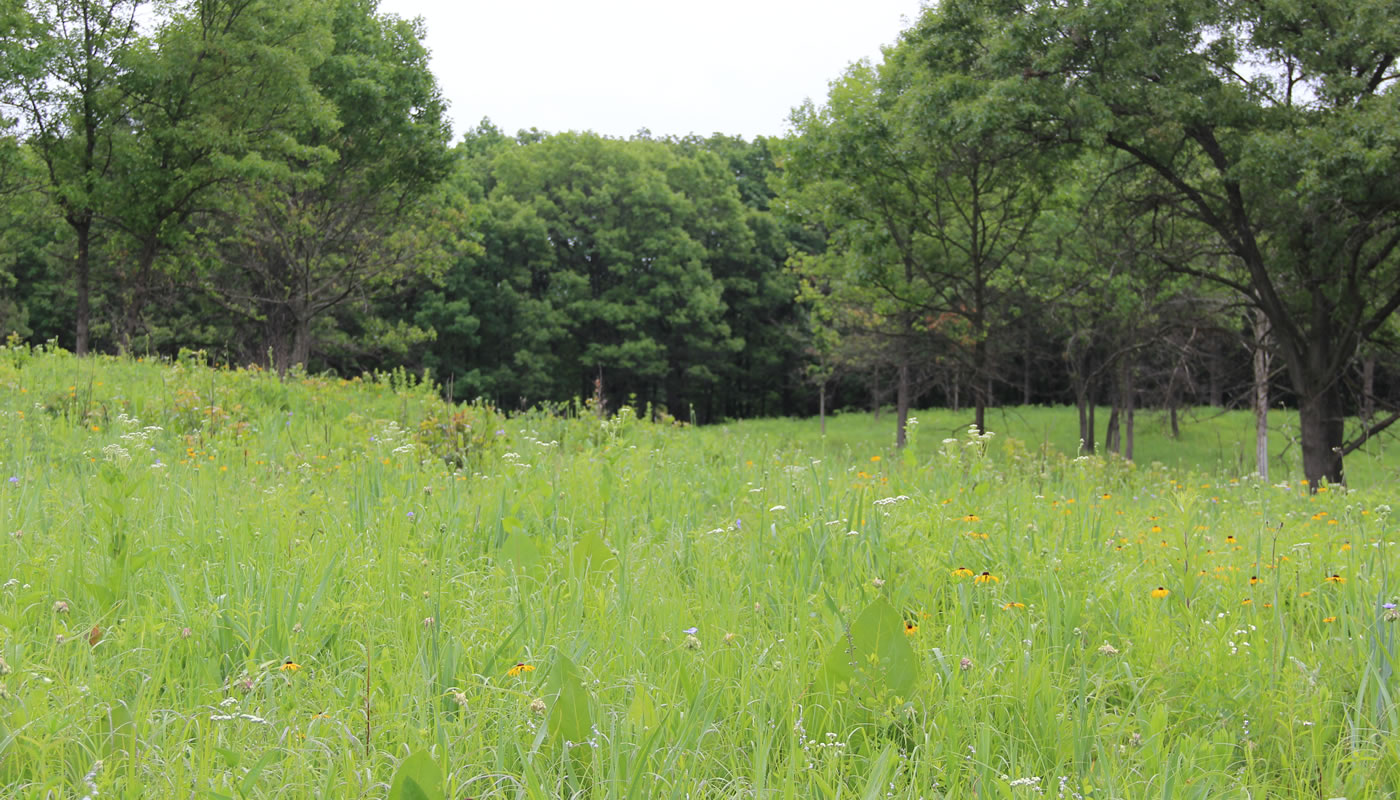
(1129, 409)
(902, 406)
(1216, 396)
(1091, 447)
(1368, 387)
(83, 230)
(1110, 434)
(1320, 422)
(1261, 395)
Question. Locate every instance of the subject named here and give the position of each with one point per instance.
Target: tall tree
(60, 75)
(1271, 122)
(353, 211)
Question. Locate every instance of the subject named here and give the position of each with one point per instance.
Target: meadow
(218, 584)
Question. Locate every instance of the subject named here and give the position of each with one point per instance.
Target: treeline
(1024, 202)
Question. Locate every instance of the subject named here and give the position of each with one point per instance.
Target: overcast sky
(615, 66)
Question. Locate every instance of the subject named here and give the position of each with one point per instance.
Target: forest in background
(1024, 202)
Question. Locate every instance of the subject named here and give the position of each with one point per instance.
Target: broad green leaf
(569, 717)
(874, 658)
(417, 778)
(519, 552)
(642, 711)
(592, 554)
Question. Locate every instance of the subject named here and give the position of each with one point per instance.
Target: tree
(354, 208)
(1271, 123)
(60, 71)
(599, 257)
(927, 197)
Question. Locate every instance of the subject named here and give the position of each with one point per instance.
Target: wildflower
(185, 633)
(1229, 539)
(1346, 546)
(986, 577)
(1254, 580)
(538, 707)
(1156, 528)
(910, 628)
(14, 480)
(1011, 605)
(962, 572)
(691, 631)
(289, 666)
(971, 518)
(1335, 578)
(1391, 613)
(729, 637)
(1108, 650)
(1247, 602)
(60, 607)
(458, 696)
(691, 642)
(1329, 619)
(519, 668)
(874, 459)
(965, 664)
(877, 582)
(1160, 592)
(428, 622)
(1304, 594)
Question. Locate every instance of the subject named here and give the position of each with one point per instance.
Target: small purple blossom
(738, 524)
(410, 516)
(14, 480)
(690, 631)
(1387, 606)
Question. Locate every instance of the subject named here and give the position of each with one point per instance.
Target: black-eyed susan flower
(1156, 528)
(986, 577)
(289, 666)
(1329, 619)
(1012, 605)
(520, 668)
(1346, 546)
(962, 572)
(1229, 539)
(910, 628)
(1160, 592)
(971, 518)
(1335, 578)
(1254, 580)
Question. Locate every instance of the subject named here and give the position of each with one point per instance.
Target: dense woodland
(1095, 204)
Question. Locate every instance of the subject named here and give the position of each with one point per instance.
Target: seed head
(60, 607)
(538, 707)
(965, 664)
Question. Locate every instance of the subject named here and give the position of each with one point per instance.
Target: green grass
(203, 527)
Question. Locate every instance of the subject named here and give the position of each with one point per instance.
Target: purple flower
(690, 631)
(1387, 606)
(14, 480)
(739, 524)
(410, 516)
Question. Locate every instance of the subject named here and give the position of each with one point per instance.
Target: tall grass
(217, 583)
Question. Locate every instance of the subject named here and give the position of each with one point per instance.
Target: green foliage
(459, 435)
(873, 668)
(417, 778)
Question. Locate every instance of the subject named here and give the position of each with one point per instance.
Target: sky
(617, 66)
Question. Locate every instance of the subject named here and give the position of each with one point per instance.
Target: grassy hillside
(220, 584)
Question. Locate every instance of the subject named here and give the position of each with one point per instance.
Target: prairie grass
(220, 584)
